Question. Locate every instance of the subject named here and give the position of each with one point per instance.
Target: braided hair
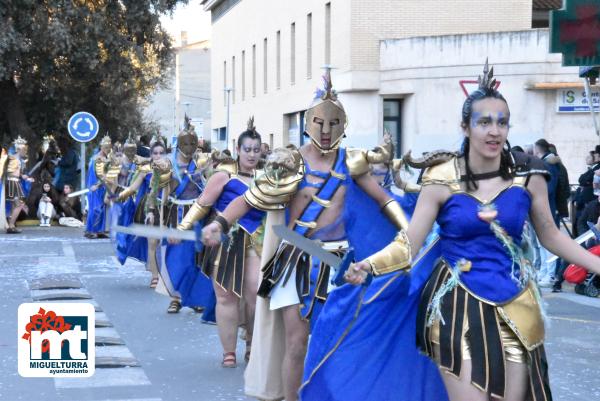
(487, 89)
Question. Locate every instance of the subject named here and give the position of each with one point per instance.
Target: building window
(253, 70)
(265, 64)
(224, 83)
(309, 46)
(278, 61)
(293, 53)
(295, 128)
(328, 33)
(392, 122)
(233, 79)
(243, 75)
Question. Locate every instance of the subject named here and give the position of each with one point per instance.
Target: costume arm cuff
(395, 256)
(126, 193)
(196, 212)
(393, 211)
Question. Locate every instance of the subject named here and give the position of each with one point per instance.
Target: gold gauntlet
(395, 256)
(125, 193)
(393, 211)
(196, 212)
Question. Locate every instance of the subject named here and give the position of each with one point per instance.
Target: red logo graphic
(44, 321)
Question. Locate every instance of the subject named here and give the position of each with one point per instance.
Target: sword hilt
(593, 229)
(347, 260)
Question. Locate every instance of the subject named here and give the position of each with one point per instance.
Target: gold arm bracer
(393, 211)
(125, 193)
(196, 212)
(395, 256)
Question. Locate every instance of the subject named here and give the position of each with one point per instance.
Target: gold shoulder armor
(13, 166)
(139, 160)
(446, 173)
(228, 166)
(357, 162)
(202, 160)
(164, 170)
(144, 168)
(275, 187)
(100, 167)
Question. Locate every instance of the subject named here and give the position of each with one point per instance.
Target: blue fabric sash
(313, 210)
(186, 179)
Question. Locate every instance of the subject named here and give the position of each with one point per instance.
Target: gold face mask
(187, 145)
(325, 124)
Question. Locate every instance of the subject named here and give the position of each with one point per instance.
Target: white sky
(191, 18)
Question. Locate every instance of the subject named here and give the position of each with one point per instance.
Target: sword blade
(307, 245)
(580, 240)
(142, 230)
(77, 193)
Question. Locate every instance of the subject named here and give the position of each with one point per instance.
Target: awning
(556, 85)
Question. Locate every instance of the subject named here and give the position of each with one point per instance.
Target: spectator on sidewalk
(143, 148)
(542, 150)
(46, 202)
(585, 193)
(67, 170)
(69, 207)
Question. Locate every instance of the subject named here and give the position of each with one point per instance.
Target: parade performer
(174, 187)
(479, 316)
(96, 218)
(139, 247)
(13, 192)
(309, 184)
(234, 264)
(125, 205)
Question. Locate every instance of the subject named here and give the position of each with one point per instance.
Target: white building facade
(187, 92)
(267, 57)
(546, 100)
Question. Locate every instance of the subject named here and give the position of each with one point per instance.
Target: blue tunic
(463, 235)
(96, 218)
(180, 259)
(127, 245)
(233, 189)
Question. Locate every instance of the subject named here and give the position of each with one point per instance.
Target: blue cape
(363, 344)
(95, 222)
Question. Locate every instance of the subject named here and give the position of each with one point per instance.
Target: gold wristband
(196, 212)
(395, 256)
(126, 193)
(393, 211)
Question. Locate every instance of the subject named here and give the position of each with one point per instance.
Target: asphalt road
(176, 357)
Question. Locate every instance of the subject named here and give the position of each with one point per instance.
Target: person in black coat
(586, 192)
(143, 148)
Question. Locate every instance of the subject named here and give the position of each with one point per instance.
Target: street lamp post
(228, 94)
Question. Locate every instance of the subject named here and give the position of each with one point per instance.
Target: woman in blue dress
(234, 263)
(480, 316)
(139, 247)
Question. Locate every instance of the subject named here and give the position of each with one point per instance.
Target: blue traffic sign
(83, 126)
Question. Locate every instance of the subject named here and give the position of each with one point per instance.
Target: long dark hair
(506, 160)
